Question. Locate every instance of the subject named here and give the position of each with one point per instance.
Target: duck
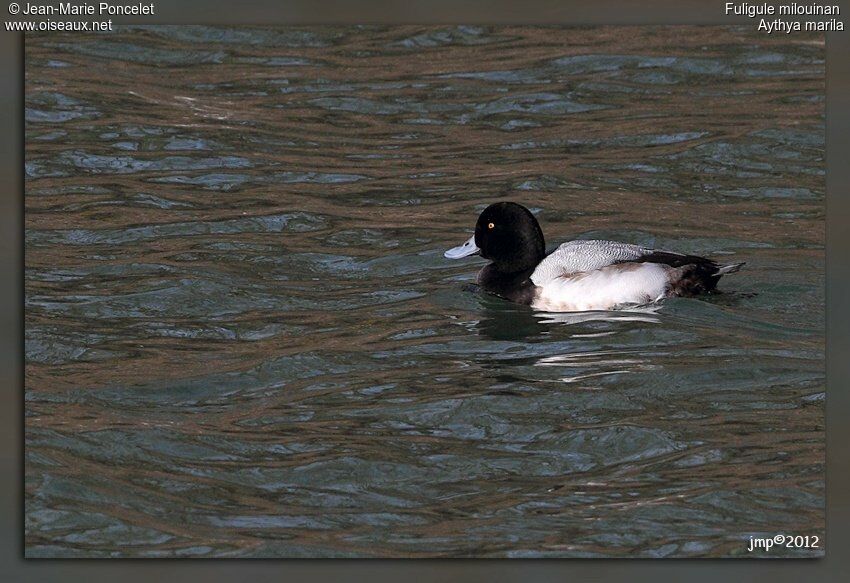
(580, 275)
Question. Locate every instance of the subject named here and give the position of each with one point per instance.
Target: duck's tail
(699, 277)
(731, 268)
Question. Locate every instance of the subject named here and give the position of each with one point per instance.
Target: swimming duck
(578, 275)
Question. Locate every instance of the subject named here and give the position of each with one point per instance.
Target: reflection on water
(500, 320)
(242, 338)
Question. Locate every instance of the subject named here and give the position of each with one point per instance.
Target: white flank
(603, 289)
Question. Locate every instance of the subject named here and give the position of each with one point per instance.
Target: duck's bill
(465, 250)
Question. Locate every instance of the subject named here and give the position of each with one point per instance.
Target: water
(242, 338)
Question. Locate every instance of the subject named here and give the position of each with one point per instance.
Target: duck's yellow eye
(490, 225)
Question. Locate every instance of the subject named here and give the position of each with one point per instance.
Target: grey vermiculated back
(577, 256)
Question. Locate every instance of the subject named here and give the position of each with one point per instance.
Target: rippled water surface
(242, 338)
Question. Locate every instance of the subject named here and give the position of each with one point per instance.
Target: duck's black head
(508, 235)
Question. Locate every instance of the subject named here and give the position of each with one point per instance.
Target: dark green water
(242, 338)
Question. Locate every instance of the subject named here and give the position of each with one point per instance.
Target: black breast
(516, 287)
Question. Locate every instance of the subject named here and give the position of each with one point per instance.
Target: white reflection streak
(636, 314)
(597, 359)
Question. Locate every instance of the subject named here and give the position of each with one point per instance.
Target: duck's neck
(515, 286)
